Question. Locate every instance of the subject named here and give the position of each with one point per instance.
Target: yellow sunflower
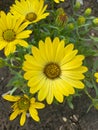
(96, 76)
(12, 33)
(23, 104)
(54, 70)
(31, 10)
(58, 1)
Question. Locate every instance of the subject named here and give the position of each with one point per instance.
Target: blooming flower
(31, 10)
(54, 70)
(96, 76)
(58, 1)
(12, 33)
(21, 105)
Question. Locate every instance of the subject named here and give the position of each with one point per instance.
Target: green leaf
(88, 84)
(94, 38)
(95, 65)
(69, 101)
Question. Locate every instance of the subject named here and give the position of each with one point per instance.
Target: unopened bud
(81, 20)
(77, 6)
(87, 11)
(95, 21)
(70, 26)
(61, 18)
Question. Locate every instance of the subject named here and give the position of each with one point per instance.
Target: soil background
(56, 116)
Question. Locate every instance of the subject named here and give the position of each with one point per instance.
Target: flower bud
(77, 6)
(81, 20)
(87, 11)
(95, 21)
(61, 18)
(70, 26)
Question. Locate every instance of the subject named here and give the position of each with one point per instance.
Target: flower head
(23, 104)
(54, 70)
(58, 1)
(30, 10)
(96, 76)
(12, 33)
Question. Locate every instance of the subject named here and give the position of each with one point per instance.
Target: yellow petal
(3, 44)
(59, 52)
(22, 27)
(38, 105)
(73, 75)
(23, 118)
(50, 94)
(35, 80)
(11, 98)
(68, 57)
(32, 100)
(43, 92)
(22, 43)
(9, 20)
(48, 49)
(10, 48)
(73, 83)
(37, 55)
(14, 114)
(75, 63)
(34, 114)
(23, 34)
(58, 95)
(19, 21)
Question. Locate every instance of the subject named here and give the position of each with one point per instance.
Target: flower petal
(11, 98)
(34, 114)
(14, 114)
(23, 118)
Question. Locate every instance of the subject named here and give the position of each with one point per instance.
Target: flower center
(52, 70)
(9, 35)
(31, 16)
(23, 103)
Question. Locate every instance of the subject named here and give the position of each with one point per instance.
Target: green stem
(86, 92)
(96, 89)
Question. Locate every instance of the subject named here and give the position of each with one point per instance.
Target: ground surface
(54, 117)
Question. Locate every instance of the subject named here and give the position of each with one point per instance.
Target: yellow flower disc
(31, 16)
(9, 35)
(24, 103)
(52, 70)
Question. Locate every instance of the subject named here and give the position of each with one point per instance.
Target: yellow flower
(96, 76)
(54, 70)
(12, 33)
(31, 10)
(58, 1)
(23, 104)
